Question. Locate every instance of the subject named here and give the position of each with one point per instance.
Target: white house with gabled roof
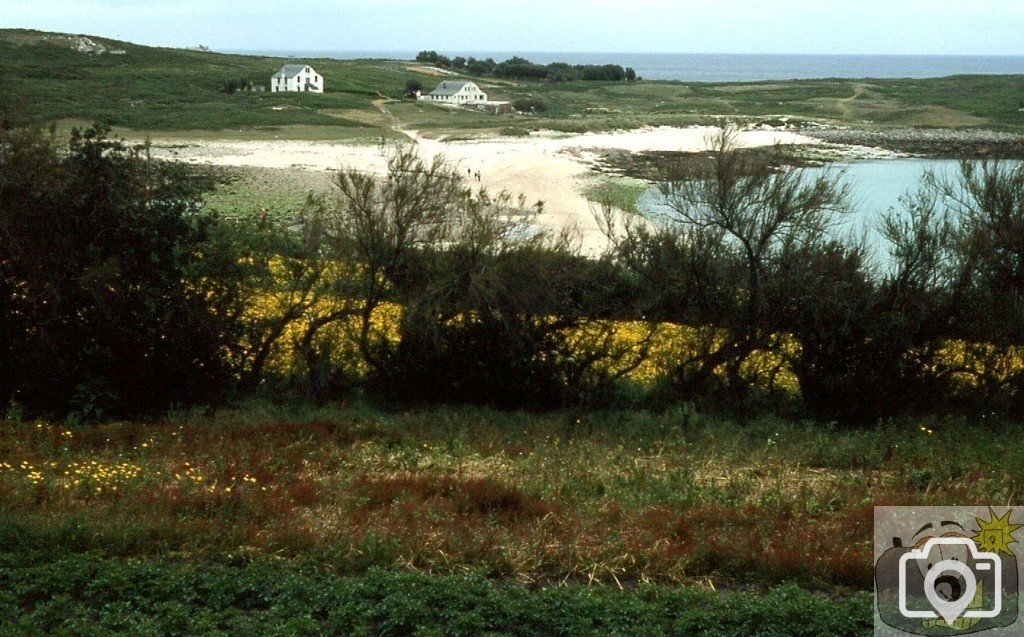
(298, 78)
(458, 93)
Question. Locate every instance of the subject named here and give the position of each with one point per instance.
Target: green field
(158, 90)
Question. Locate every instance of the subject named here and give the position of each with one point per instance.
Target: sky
(927, 27)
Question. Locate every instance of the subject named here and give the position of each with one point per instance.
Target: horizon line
(548, 52)
(232, 49)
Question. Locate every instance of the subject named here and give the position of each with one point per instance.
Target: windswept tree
(874, 340)
(733, 219)
(987, 199)
(488, 306)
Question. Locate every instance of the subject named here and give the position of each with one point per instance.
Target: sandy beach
(546, 167)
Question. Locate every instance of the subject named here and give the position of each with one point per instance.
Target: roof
(449, 88)
(291, 70)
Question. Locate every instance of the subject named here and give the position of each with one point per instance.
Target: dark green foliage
(90, 595)
(827, 298)
(432, 57)
(103, 258)
(512, 348)
(523, 69)
(413, 88)
(870, 343)
(530, 105)
(519, 68)
(480, 67)
(489, 309)
(746, 249)
(238, 84)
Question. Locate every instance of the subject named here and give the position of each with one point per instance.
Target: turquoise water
(876, 187)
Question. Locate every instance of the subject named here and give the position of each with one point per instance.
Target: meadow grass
(614, 498)
(349, 519)
(158, 90)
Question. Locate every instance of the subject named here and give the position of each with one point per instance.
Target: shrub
(413, 88)
(488, 308)
(106, 303)
(530, 105)
(236, 84)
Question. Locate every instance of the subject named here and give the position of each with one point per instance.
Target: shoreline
(556, 169)
(546, 167)
(930, 143)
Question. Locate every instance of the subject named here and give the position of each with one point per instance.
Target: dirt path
(396, 125)
(845, 104)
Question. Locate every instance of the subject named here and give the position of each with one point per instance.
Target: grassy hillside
(173, 90)
(956, 102)
(155, 89)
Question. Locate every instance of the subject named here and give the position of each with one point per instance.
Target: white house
(456, 93)
(300, 78)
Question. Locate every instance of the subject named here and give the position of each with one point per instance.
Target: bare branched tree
(733, 217)
(487, 301)
(392, 228)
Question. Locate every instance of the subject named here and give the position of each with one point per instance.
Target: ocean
(689, 67)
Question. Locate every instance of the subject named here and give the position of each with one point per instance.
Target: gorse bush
(530, 105)
(122, 295)
(747, 249)
(237, 84)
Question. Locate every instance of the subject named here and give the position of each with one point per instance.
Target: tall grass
(615, 497)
